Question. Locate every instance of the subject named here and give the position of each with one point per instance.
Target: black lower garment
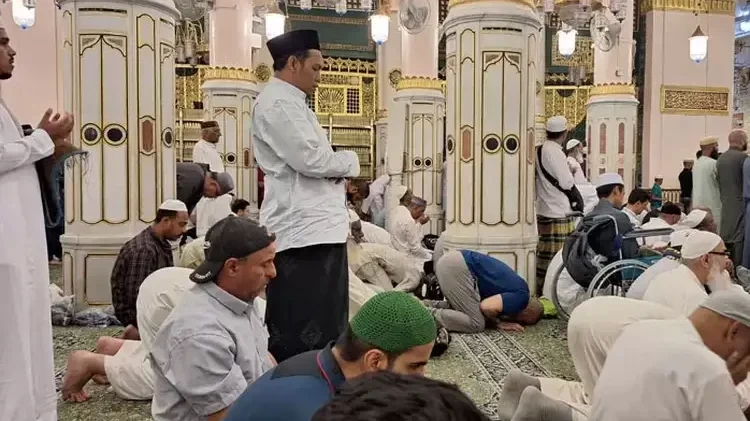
(308, 301)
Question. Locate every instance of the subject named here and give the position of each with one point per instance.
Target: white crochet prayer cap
(400, 191)
(609, 178)
(699, 243)
(557, 124)
(173, 205)
(694, 218)
(678, 238)
(730, 303)
(572, 143)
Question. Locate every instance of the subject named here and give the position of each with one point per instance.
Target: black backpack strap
(546, 173)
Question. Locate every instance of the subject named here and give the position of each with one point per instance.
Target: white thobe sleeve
(24, 151)
(718, 401)
(556, 164)
(286, 130)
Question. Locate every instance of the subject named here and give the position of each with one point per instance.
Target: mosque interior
(407, 85)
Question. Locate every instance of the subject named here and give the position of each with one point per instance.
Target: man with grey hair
(678, 370)
(702, 269)
(729, 173)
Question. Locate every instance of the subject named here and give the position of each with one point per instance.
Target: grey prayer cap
(226, 184)
(732, 303)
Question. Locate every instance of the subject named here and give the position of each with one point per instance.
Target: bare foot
(131, 333)
(77, 375)
(99, 379)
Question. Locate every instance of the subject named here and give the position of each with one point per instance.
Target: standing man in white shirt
(556, 197)
(574, 151)
(304, 204)
(204, 152)
(679, 370)
(706, 178)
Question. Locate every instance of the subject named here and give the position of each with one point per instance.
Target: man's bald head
(738, 139)
(7, 56)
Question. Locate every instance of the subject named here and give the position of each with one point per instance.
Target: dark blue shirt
(292, 391)
(495, 277)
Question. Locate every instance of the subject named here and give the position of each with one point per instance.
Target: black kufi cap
(292, 42)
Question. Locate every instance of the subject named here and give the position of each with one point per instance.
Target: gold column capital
(612, 89)
(719, 7)
(420, 82)
(229, 73)
(453, 3)
(381, 114)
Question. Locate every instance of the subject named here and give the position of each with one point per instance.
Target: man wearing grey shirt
(214, 344)
(304, 203)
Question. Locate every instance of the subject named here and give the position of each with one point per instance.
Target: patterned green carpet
(478, 364)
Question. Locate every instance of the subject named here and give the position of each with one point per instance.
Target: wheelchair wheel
(600, 281)
(561, 313)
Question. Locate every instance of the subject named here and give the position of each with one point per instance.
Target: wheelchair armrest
(656, 232)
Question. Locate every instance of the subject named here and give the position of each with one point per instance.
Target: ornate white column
(229, 91)
(491, 108)
(612, 109)
(540, 64)
(417, 114)
(117, 64)
(389, 73)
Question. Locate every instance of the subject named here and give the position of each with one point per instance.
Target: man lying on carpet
(123, 363)
(392, 331)
(385, 395)
(479, 289)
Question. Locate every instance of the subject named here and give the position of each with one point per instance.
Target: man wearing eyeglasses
(701, 272)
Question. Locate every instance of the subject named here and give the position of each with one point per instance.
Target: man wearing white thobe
(205, 152)
(27, 385)
(706, 178)
(593, 328)
(304, 204)
(211, 210)
(404, 223)
(374, 203)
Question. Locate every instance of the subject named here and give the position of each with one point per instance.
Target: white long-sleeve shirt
(706, 187)
(550, 201)
(206, 153)
(305, 198)
(406, 234)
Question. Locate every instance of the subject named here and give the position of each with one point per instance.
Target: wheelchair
(614, 277)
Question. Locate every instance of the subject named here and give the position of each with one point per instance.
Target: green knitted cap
(394, 321)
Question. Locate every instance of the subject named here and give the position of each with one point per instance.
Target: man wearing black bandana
(304, 203)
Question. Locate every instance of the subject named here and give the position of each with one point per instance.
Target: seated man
(193, 254)
(125, 364)
(682, 369)
(241, 208)
(392, 331)
(405, 222)
(209, 211)
(637, 206)
(141, 256)
(380, 265)
(395, 397)
(196, 181)
(593, 328)
(374, 203)
(478, 288)
(375, 234)
(611, 191)
(702, 269)
(669, 215)
(665, 264)
(214, 344)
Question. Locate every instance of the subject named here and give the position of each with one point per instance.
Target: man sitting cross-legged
(125, 364)
(477, 288)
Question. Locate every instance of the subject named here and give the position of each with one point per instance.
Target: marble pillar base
(230, 103)
(611, 131)
(381, 142)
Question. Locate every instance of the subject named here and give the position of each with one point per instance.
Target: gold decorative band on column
(420, 82)
(229, 73)
(612, 89)
(719, 7)
(694, 100)
(453, 3)
(381, 113)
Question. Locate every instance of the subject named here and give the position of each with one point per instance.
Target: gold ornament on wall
(228, 73)
(419, 82)
(263, 73)
(394, 76)
(694, 100)
(612, 89)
